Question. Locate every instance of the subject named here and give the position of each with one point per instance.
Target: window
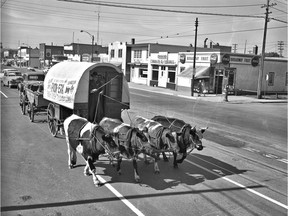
(143, 72)
(112, 53)
(120, 53)
(271, 78)
(137, 53)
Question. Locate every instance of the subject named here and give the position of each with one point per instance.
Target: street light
(92, 37)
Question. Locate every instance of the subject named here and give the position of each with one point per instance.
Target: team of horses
(119, 140)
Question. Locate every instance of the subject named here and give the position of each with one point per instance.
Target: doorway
(218, 84)
(163, 77)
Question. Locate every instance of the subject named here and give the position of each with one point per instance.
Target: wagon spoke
(52, 123)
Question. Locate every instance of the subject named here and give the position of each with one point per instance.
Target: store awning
(201, 72)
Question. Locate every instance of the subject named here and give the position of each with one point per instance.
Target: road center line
(121, 197)
(3, 94)
(240, 185)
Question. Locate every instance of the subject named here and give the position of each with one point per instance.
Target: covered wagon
(90, 90)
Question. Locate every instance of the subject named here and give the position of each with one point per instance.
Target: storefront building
(215, 70)
(163, 70)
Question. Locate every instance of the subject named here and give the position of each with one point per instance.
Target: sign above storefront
(226, 59)
(213, 58)
(255, 61)
(182, 58)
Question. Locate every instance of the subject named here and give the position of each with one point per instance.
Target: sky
(31, 22)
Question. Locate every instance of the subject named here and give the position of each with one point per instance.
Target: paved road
(220, 180)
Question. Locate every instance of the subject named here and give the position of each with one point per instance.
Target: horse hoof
(175, 166)
(71, 166)
(137, 180)
(97, 184)
(119, 173)
(166, 159)
(157, 172)
(87, 174)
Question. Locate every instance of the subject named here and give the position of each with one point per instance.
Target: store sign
(255, 61)
(85, 57)
(182, 58)
(226, 59)
(213, 58)
(163, 62)
(48, 53)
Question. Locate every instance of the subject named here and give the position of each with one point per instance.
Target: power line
(157, 9)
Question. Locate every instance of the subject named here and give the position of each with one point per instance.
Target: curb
(216, 99)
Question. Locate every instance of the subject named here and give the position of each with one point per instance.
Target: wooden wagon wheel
(31, 112)
(52, 122)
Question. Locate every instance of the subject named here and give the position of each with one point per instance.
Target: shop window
(143, 72)
(155, 74)
(120, 53)
(137, 53)
(155, 67)
(271, 76)
(163, 68)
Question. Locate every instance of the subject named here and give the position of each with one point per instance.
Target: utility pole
(234, 47)
(280, 47)
(194, 58)
(98, 27)
(261, 71)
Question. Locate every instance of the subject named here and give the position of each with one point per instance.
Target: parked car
(12, 78)
(7, 70)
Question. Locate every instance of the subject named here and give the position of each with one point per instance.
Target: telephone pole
(261, 71)
(280, 47)
(194, 58)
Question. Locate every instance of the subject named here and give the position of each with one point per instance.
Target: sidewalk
(210, 97)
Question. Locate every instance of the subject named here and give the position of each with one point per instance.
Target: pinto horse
(188, 138)
(160, 138)
(89, 140)
(131, 141)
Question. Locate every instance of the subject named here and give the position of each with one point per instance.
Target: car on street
(7, 70)
(12, 78)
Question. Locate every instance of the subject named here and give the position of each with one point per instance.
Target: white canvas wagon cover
(67, 83)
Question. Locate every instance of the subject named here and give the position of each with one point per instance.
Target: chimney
(205, 45)
(255, 49)
(133, 41)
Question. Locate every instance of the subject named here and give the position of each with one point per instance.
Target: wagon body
(90, 90)
(34, 100)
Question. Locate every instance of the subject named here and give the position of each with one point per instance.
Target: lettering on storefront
(159, 61)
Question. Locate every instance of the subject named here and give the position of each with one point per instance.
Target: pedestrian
(200, 90)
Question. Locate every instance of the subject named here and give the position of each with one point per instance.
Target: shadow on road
(206, 168)
(169, 177)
